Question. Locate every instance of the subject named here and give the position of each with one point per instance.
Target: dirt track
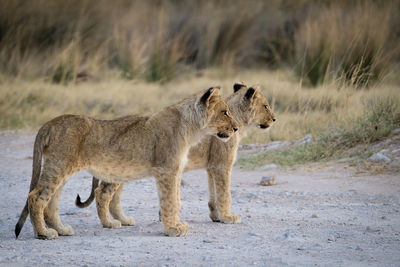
(320, 215)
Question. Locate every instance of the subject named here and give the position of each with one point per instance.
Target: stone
(369, 229)
(395, 151)
(269, 166)
(268, 180)
(379, 157)
(396, 131)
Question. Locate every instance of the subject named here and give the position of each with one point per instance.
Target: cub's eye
(266, 106)
(225, 113)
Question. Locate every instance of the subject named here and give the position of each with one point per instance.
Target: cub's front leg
(168, 192)
(219, 179)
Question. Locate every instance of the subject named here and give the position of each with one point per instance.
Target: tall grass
(355, 43)
(159, 40)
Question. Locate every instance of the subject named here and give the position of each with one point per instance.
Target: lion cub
(250, 109)
(121, 150)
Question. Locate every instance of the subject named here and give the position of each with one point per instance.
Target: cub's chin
(263, 127)
(224, 137)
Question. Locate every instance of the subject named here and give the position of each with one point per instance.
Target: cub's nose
(235, 129)
(273, 119)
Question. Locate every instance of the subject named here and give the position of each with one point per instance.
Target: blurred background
(327, 67)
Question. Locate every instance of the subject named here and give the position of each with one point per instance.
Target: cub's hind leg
(52, 217)
(104, 194)
(116, 209)
(51, 178)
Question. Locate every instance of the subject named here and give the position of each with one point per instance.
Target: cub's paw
(230, 219)
(112, 224)
(214, 216)
(127, 221)
(65, 230)
(213, 212)
(180, 229)
(48, 234)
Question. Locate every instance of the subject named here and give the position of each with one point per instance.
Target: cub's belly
(119, 173)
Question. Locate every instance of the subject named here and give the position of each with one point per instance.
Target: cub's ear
(238, 86)
(212, 92)
(250, 93)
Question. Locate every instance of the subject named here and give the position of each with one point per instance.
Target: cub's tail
(79, 204)
(41, 141)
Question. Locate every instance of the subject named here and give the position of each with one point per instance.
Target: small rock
(331, 239)
(371, 230)
(314, 216)
(284, 236)
(252, 234)
(268, 181)
(269, 166)
(395, 151)
(396, 131)
(379, 157)
(76, 211)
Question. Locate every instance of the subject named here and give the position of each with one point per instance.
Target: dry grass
(299, 110)
(355, 43)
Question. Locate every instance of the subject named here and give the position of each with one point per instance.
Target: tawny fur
(250, 108)
(118, 151)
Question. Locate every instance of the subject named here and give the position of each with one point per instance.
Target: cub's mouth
(223, 136)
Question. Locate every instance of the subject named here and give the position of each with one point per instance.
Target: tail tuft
(18, 228)
(79, 203)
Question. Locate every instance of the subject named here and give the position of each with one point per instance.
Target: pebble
(396, 131)
(369, 229)
(314, 216)
(76, 211)
(284, 236)
(252, 234)
(268, 180)
(269, 166)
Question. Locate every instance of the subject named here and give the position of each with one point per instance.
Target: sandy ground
(326, 214)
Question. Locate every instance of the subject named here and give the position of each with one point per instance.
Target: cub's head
(219, 120)
(251, 106)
